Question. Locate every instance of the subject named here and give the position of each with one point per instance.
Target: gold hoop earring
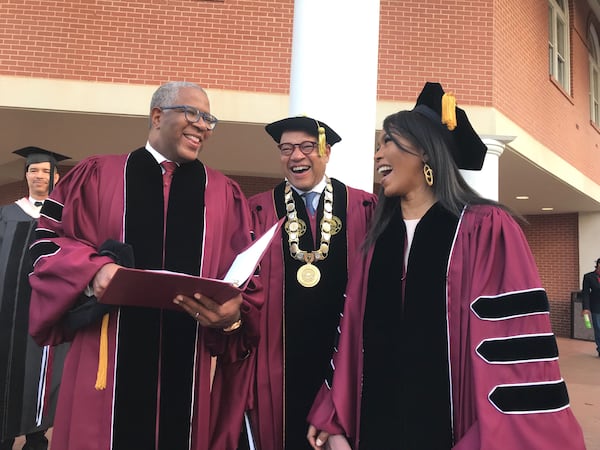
(428, 172)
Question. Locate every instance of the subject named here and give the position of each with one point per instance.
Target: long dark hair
(449, 187)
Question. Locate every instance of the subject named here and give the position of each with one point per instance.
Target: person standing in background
(29, 374)
(305, 273)
(591, 301)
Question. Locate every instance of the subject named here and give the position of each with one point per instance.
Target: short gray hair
(167, 93)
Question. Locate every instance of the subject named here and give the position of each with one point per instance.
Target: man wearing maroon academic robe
(298, 324)
(158, 387)
(500, 369)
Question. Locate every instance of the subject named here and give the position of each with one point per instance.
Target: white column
(485, 181)
(334, 79)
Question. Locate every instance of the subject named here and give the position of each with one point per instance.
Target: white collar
(28, 208)
(159, 157)
(33, 200)
(318, 188)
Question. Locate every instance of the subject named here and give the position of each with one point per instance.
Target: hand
(586, 311)
(317, 439)
(103, 277)
(209, 313)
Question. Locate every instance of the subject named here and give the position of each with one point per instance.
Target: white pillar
(485, 181)
(334, 79)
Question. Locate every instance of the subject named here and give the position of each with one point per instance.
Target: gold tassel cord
(322, 142)
(449, 110)
(102, 355)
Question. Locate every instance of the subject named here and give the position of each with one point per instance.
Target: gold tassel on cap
(102, 355)
(322, 141)
(449, 110)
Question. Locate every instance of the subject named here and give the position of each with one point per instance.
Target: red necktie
(169, 168)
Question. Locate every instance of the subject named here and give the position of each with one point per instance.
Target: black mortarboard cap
(467, 148)
(35, 155)
(301, 123)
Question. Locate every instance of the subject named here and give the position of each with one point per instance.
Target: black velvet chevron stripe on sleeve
(44, 233)
(530, 398)
(42, 248)
(518, 349)
(510, 305)
(52, 210)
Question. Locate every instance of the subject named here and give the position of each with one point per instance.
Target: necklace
(309, 275)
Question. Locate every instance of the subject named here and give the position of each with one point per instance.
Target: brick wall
(238, 44)
(524, 91)
(255, 185)
(12, 191)
(553, 240)
(448, 41)
(235, 44)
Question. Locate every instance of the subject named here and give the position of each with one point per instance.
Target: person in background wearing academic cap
(445, 337)
(140, 377)
(305, 274)
(591, 301)
(29, 374)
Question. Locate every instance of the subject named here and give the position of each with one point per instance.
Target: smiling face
(172, 135)
(38, 179)
(401, 168)
(303, 171)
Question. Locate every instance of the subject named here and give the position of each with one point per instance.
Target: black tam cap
(35, 155)
(467, 148)
(302, 123)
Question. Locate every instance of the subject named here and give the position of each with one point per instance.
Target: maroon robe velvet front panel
(89, 208)
(490, 264)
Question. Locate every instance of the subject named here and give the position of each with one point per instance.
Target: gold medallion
(296, 226)
(308, 275)
(332, 226)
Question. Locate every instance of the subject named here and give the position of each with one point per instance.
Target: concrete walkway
(580, 367)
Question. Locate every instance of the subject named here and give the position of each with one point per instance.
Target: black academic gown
(29, 374)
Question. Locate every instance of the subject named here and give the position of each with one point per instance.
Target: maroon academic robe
(506, 390)
(299, 316)
(158, 390)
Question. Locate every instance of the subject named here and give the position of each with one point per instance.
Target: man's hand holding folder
(204, 298)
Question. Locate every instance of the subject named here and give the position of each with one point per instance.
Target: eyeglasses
(305, 147)
(194, 115)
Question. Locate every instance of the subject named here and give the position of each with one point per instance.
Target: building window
(594, 54)
(558, 41)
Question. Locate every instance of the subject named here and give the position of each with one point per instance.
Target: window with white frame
(594, 54)
(558, 42)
